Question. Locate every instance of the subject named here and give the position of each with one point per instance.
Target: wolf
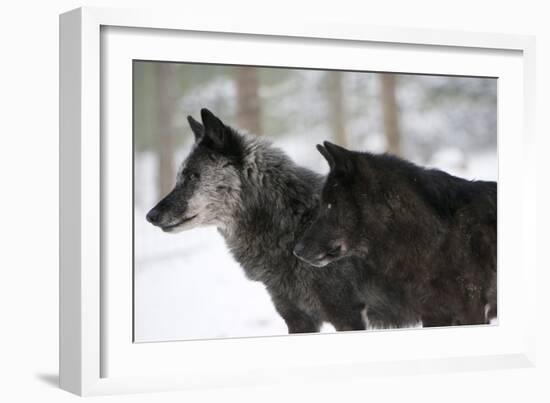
(261, 202)
(432, 235)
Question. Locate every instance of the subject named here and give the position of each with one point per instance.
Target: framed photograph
(244, 203)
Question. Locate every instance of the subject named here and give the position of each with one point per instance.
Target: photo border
(278, 67)
(81, 156)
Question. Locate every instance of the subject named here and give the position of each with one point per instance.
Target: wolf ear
(326, 154)
(196, 127)
(341, 158)
(215, 132)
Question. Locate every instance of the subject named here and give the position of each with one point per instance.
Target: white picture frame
(97, 356)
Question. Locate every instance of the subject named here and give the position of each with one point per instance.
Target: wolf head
(208, 181)
(337, 230)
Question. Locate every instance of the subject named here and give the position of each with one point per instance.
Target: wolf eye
(191, 175)
(329, 206)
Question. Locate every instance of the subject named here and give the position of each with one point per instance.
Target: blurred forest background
(441, 121)
(431, 120)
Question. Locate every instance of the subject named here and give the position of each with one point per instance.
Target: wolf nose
(153, 216)
(298, 249)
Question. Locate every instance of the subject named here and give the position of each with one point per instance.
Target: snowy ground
(187, 286)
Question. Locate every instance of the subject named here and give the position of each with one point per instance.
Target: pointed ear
(214, 129)
(341, 157)
(326, 154)
(196, 127)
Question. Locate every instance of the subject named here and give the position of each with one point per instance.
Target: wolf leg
(346, 316)
(296, 320)
(352, 320)
(437, 321)
(355, 324)
(341, 305)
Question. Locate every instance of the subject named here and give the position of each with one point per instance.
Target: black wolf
(432, 235)
(262, 202)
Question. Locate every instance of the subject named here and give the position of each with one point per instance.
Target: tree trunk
(336, 108)
(249, 116)
(391, 113)
(166, 94)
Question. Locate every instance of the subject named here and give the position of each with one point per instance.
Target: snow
(188, 286)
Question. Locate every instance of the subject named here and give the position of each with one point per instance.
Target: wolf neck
(274, 188)
(277, 200)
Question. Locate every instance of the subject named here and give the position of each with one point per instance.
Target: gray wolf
(261, 203)
(432, 235)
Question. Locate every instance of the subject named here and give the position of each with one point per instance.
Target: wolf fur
(262, 202)
(430, 234)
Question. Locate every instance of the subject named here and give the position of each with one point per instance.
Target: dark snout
(159, 215)
(154, 216)
(168, 212)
